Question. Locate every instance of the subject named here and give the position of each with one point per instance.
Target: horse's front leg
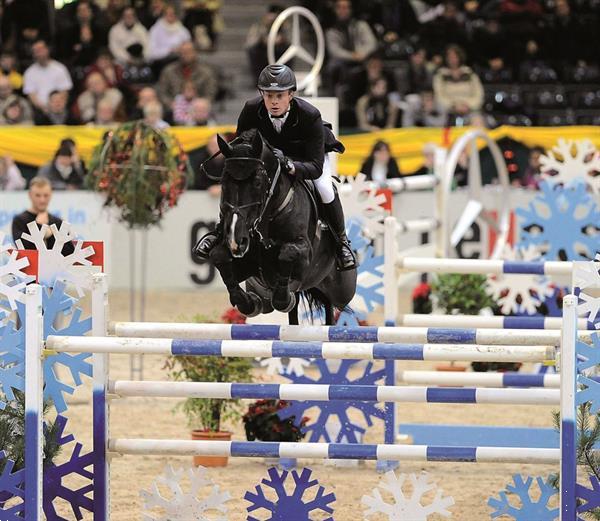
(291, 257)
(248, 304)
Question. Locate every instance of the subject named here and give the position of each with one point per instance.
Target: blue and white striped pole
(331, 392)
(489, 322)
(432, 335)
(324, 350)
(498, 380)
(568, 411)
(100, 404)
(34, 392)
(360, 451)
(484, 266)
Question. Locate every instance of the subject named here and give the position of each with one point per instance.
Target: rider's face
(277, 102)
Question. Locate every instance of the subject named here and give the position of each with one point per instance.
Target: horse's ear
(257, 145)
(224, 147)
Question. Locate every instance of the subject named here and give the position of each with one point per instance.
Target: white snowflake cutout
(53, 265)
(507, 289)
(185, 506)
(403, 507)
(13, 278)
(587, 275)
(573, 167)
(362, 204)
(275, 365)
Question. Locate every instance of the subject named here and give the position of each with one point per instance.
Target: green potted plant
(262, 423)
(208, 416)
(465, 295)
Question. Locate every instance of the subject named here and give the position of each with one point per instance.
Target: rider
(295, 128)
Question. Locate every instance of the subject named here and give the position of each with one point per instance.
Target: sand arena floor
(470, 484)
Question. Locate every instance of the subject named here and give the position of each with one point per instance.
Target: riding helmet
(277, 77)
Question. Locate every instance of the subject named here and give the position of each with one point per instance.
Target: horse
(273, 238)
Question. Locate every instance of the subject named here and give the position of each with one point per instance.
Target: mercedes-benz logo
(295, 50)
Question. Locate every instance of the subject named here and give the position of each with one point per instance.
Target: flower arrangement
(262, 422)
(141, 170)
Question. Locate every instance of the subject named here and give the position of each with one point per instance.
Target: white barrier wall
(170, 264)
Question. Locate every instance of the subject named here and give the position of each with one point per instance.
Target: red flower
(423, 290)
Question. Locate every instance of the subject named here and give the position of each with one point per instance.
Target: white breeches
(324, 183)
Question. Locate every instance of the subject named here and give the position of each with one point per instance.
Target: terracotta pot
(211, 461)
(455, 368)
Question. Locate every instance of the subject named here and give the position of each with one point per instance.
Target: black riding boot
(334, 213)
(207, 242)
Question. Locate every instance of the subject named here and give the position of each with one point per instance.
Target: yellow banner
(36, 145)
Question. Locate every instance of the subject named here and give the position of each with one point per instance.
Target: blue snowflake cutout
(61, 317)
(561, 221)
(78, 464)
(292, 506)
(528, 509)
(12, 486)
(330, 374)
(12, 482)
(591, 393)
(12, 362)
(588, 355)
(590, 497)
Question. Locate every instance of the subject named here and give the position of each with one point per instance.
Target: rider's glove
(286, 163)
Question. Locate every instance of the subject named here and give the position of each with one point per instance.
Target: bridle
(265, 199)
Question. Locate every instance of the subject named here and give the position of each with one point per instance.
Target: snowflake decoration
(561, 223)
(61, 318)
(336, 372)
(528, 509)
(53, 265)
(294, 366)
(291, 506)
(406, 507)
(587, 275)
(56, 475)
(519, 293)
(362, 204)
(12, 483)
(369, 282)
(185, 506)
(591, 393)
(12, 277)
(590, 307)
(591, 497)
(574, 168)
(12, 362)
(588, 356)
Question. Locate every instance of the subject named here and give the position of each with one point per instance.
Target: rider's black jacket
(302, 135)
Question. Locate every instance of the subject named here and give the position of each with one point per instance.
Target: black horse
(273, 238)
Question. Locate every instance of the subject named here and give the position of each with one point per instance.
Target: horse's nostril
(243, 242)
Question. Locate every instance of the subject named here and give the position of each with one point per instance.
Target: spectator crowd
(391, 63)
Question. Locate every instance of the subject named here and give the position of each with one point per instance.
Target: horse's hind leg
(291, 254)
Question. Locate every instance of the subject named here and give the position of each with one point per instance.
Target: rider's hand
(286, 162)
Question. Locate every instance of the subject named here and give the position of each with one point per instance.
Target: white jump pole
(484, 266)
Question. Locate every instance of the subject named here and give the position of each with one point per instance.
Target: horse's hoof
(256, 302)
(284, 300)
(248, 304)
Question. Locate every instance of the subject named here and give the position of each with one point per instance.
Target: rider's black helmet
(277, 77)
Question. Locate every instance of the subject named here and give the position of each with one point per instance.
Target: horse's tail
(316, 304)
